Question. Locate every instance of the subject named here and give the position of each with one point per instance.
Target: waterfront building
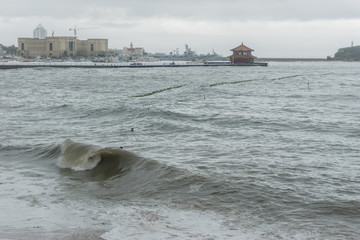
(61, 46)
(135, 52)
(40, 32)
(241, 54)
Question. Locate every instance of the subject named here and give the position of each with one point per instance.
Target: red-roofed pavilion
(242, 54)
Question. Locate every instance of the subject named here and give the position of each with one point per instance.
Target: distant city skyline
(273, 28)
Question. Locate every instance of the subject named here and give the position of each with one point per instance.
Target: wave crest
(80, 156)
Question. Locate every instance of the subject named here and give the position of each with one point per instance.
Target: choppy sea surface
(216, 152)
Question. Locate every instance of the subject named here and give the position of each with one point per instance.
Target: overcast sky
(273, 28)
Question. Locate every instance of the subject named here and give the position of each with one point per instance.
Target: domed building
(40, 32)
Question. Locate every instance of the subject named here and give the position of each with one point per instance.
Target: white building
(40, 32)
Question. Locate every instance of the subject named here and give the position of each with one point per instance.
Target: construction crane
(75, 29)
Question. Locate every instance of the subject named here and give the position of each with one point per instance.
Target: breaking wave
(80, 156)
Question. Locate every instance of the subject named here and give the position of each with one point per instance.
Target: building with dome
(40, 32)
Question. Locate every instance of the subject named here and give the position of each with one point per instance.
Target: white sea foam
(34, 201)
(153, 223)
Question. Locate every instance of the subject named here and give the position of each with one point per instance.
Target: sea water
(215, 152)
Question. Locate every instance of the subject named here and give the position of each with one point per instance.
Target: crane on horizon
(75, 29)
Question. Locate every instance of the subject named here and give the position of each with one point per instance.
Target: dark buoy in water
(132, 130)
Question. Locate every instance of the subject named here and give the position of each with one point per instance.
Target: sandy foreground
(26, 234)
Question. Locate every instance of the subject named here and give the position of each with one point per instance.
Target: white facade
(40, 32)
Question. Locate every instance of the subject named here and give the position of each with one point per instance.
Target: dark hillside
(349, 53)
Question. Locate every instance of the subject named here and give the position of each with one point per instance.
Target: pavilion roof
(241, 56)
(242, 47)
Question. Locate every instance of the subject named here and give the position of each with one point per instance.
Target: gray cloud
(276, 28)
(226, 10)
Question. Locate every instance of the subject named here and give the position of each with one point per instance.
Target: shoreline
(302, 60)
(263, 62)
(43, 234)
(16, 65)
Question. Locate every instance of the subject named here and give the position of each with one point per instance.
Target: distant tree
(12, 50)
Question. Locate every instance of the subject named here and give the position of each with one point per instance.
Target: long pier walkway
(16, 64)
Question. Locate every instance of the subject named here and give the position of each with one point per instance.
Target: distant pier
(16, 64)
